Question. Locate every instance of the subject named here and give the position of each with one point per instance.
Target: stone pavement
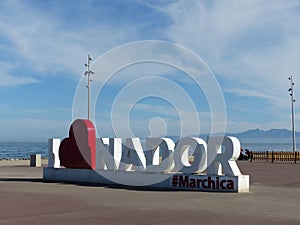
(274, 198)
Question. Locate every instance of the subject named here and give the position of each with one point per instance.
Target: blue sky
(251, 46)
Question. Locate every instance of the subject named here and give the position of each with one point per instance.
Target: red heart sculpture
(79, 149)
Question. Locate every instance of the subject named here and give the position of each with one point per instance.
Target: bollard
(53, 155)
(36, 160)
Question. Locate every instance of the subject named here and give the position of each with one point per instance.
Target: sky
(247, 48)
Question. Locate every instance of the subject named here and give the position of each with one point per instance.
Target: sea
(23, 150)
(276, 145)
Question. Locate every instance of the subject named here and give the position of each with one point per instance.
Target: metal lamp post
(88, 86)
(291, 90)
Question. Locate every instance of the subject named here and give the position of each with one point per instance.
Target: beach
(26, 199)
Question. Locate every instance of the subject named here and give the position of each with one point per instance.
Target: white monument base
(171, 181)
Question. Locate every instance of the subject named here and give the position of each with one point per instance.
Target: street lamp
(291, 90)
(88, 73)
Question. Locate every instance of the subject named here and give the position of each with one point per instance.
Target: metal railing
(271, 156)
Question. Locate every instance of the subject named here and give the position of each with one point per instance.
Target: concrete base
(171, 181)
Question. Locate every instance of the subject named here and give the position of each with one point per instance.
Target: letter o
(199, 147)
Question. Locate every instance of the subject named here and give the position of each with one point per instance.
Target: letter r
(225, 160)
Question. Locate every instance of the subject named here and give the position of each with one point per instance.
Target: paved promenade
(274, 198)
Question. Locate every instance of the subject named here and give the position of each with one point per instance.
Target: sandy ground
(19, 162)
(274, 198)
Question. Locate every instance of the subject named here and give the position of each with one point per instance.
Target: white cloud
(253, 44)
(277, 101)
(40, 129)
(47, 43)
(7, 79)
(159, 119)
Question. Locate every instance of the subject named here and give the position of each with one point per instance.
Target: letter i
(217, 183)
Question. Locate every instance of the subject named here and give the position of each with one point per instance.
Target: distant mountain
(256, 134)
(261, 134)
